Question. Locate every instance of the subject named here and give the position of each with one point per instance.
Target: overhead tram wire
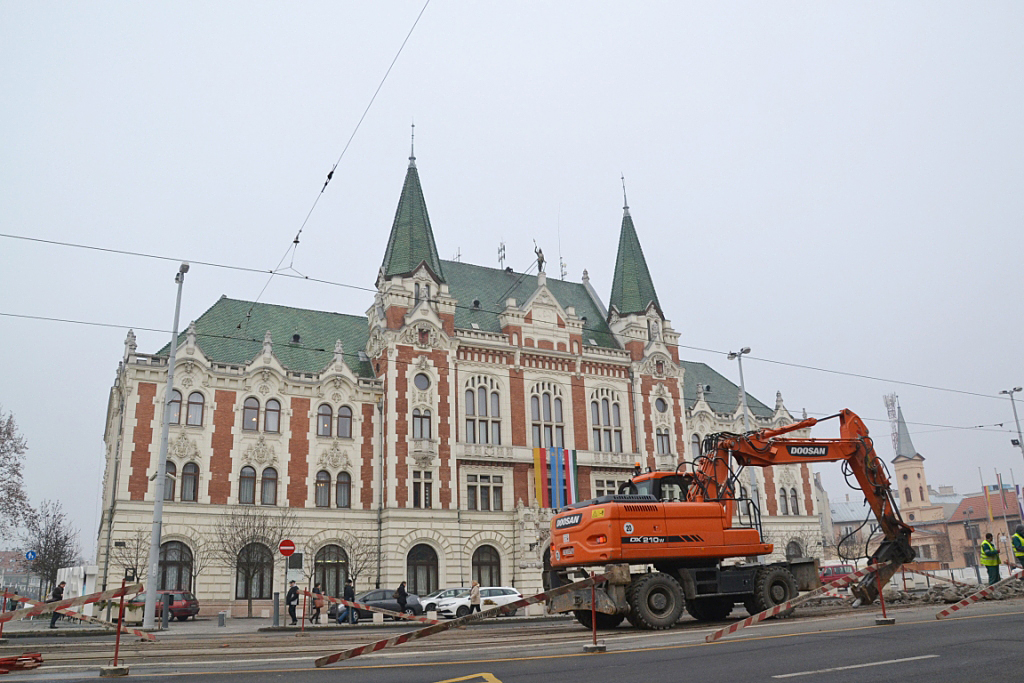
(373, 290)
(293, 247)
(258, 342)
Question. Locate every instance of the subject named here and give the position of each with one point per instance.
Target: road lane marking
(855, 666)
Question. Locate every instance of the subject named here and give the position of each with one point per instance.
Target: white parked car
(492, 596)
(430, 602)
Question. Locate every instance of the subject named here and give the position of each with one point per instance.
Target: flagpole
(1005, 533)
(988, 500)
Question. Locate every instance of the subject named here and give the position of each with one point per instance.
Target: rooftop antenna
(892, 402)
(458, 255)
(625, 204)
(412, 146)
(501, 255)
(561, 263)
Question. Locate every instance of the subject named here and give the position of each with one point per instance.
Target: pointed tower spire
(904, 446)
(412, 241)
(632, 286)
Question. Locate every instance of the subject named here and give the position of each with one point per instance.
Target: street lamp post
(967, 532)
(1019, 441)
(149, 613)
(738, 357)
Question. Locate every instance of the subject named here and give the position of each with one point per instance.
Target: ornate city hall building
(412, 430)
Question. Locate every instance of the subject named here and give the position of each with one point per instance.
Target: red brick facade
(366, 469)
(222, 441)
(770, 498)
(805, 477)
(298, 453)
(138, 480)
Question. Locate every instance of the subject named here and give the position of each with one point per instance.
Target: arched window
(251, 414)
(330, 569)
(323, 490)
(175, 407)
(421, 570)
(343, 494)
(487, 566)
(268, 487)
(323, 420)
(793, 550)
(195, 410)
(483, 411)
(189, 482)
(546, 416)
(175, 567)
(783, 503)
(272, 416)
(345, 422)
(247, 486)
(420, 424)
(606, 421)
(794, 504)
(906, 492)
(169, 479)
(255, 577)
(664, 442)
(694, 446)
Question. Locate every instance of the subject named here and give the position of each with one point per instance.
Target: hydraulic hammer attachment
(895, 551)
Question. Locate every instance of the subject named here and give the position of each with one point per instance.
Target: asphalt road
(987, 641)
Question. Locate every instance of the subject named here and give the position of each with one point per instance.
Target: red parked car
(183, 604)
(833, 572)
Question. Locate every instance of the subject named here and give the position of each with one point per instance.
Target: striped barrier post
(455, 623)
(779, 609)
(371, 608)
(47, 607)
(82, 617)
(975, 597)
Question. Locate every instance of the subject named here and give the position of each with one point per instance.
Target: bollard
(166, 616)
(116, 668)
(277, 609)
(220, 618)
(378, 618)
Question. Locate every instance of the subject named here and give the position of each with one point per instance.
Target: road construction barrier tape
(842, 582)
(456, 623)
(371, 608)
(29, 660)
(937, 577)
(82, 617)
(975, 597)
(47, 607)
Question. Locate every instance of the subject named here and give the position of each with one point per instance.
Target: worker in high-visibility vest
(1018, 545)
(990, 559)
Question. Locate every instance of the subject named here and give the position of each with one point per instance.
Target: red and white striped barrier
(455, 623)
(975, 597)
(47, 607)
(82, 617)
(371, 608)
(937, 577)
(29, 660)
(779, 609)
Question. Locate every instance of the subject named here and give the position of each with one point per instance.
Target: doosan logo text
(568, 520)
(808, 451)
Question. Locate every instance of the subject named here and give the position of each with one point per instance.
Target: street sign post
(30, 555)
(286, 547)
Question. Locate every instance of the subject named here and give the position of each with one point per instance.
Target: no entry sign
(286, 547)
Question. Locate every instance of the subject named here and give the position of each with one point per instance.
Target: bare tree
(54, 540)
(203, 556)
(132, 552)
(244, 541)
(14, 508)
(362, 555)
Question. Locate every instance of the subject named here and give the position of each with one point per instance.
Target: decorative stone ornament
(260, 453)
(183, 448)
(335, 457)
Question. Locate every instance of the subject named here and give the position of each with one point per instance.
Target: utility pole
(738, 357)
(1019, 441)
(152, 578)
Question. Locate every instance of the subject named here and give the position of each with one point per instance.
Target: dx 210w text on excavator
(662, 539)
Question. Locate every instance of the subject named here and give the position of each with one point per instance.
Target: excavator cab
(665, 487)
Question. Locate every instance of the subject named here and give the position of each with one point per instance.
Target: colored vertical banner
(988, 504)
(540, 477)
(572, 495)
(557, 496)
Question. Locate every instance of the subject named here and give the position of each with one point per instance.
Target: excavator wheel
(605, 622)
(656, 601)
(709, 609)
(772, 586)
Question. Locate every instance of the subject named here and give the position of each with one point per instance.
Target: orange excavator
(661, 540)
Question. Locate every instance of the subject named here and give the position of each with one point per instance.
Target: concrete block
(432, 614)
(378, 618)
(881, 621)
(113, 671)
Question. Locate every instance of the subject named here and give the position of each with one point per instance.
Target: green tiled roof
(632, 286)
(219, 337)
(412, 241)
(724, 395)
(492, 286)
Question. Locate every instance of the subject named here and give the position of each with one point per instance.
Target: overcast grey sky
(832, 184)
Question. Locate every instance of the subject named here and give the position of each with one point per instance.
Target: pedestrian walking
(349, 613)
(474, 597)
(990, 559)
(56, 596)
(1018, 546)
(292, 600)
(318, 604)
(402, 596)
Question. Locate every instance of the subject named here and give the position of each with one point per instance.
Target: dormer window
(424, 337)
(416, 300)
(659, 367)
